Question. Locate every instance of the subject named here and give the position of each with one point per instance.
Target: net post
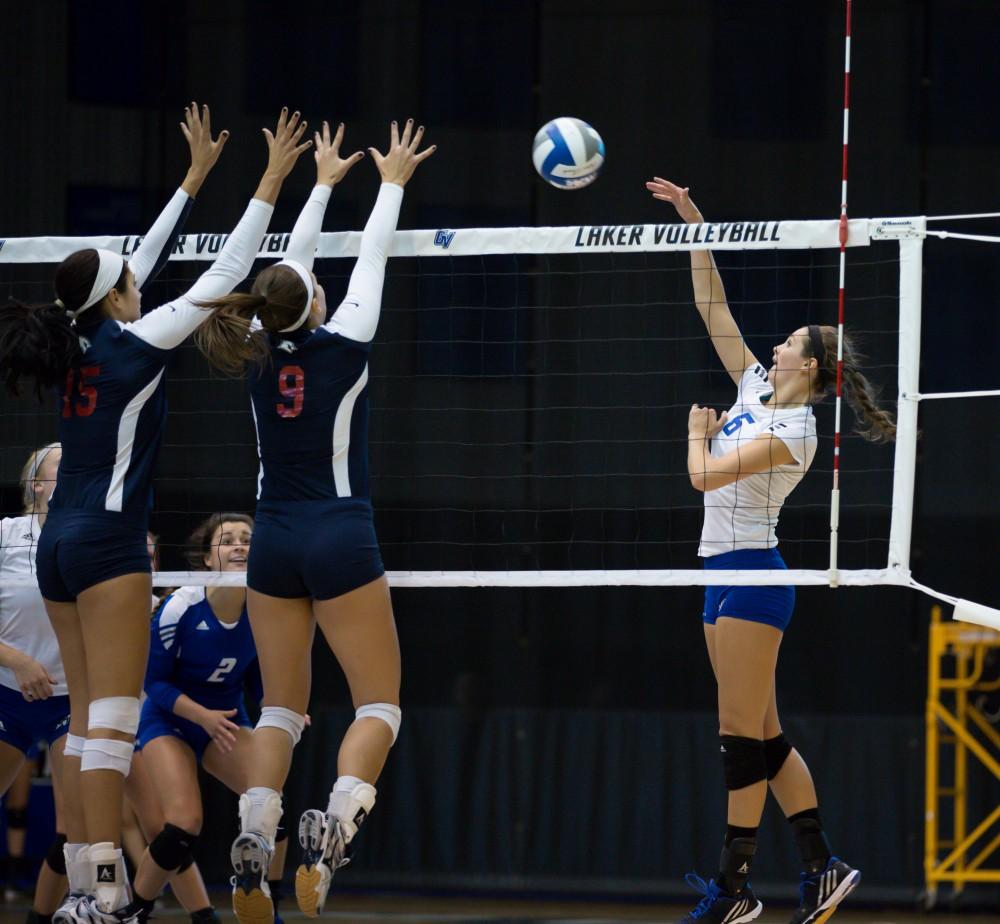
(905, 465)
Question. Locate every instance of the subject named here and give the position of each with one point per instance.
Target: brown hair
(227, 340)
(40, 342)
(200, 541)
(877, 424)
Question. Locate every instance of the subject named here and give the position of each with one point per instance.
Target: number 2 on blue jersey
(219, 674)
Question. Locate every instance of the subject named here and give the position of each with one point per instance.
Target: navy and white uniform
(193, 652)
(25, 626)
(741, 518)
(314, 533)
(113, 412)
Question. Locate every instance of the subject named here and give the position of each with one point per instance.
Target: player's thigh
(746, 654)
(11, 761)
(772, 723)
(283, 630)
(361, 631)
(114, 618)
(69, 634)
(57, 764)
(710, 646)
(173, 771)
(231, 767)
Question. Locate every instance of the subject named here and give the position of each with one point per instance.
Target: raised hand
(398, 164)
(678, 195)
(330, 167)
(283, 149)
(283, 145)
(197, 129)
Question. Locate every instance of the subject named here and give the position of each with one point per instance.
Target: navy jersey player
(746, 462)
(93, 568)
(201, 660)
(315, 557)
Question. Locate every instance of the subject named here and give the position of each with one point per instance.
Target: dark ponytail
(40, 342)
(277, 299)
(37, 342)
(876, 424)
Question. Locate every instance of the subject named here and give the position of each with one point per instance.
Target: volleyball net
(529, 393)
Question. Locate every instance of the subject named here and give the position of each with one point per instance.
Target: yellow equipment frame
(954, 721)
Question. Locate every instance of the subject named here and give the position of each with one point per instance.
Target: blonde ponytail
(227, 338)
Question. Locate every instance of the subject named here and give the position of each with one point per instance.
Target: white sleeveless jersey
(24, 624)
(744, 514)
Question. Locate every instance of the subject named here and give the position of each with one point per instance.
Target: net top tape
(443, 242)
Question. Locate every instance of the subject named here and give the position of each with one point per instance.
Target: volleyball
(568, 153)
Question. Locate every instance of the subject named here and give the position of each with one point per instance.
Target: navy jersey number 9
(291, 385)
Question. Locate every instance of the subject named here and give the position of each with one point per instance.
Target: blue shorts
(155, 722)
(770, 605)
(318, 549)
(80, 548)
(22, 724)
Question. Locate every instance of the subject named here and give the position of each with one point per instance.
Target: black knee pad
(172, 847)
(743, 761)
(282, 833)
(776, 751)
(55, 857)
(17, 818)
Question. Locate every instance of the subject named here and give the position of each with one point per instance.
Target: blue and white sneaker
(820, 894)
(719, 908)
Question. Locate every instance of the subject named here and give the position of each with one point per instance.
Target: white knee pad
(74, 746)
(387, 712)
(107, 754)
(285, 719)
(119, 713)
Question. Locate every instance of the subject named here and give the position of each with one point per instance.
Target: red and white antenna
(835, 493)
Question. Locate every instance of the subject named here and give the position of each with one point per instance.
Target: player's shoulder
(16, 531)
(178, 604)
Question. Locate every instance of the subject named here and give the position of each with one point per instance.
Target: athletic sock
(810, 839)
(204, 916)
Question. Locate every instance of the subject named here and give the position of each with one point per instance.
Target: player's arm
(709, 292)
(357, 316)
(32, 678)
(154, 251)
(330, 170)
(169, 325)
(216, 722)
(708, 473)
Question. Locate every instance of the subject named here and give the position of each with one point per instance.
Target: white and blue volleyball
(568, 153)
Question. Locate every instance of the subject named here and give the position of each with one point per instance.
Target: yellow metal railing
(956, 658)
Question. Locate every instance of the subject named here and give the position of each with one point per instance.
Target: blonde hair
(29, 475)
(229, 340)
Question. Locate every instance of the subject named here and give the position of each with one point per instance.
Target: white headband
(108, 273)
(307, 281)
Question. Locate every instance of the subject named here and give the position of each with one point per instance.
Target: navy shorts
(155, 722)
(318, 549)
(23, 724)
(80, 548)
(770, 605)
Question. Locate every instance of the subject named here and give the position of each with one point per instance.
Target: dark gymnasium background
(563, 739)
